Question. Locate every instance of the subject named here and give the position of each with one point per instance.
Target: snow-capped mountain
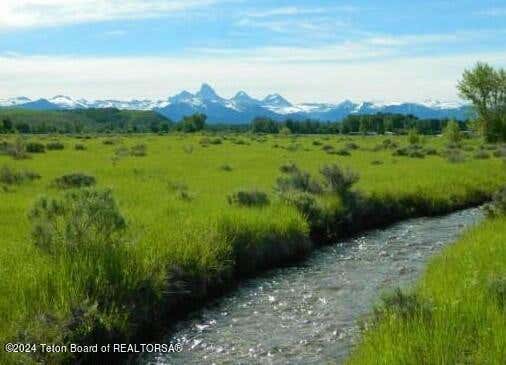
(14, 101)
(242, 108)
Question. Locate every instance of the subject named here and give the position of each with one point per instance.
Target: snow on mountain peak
(242, 98)
(276, 100)
(14, 101)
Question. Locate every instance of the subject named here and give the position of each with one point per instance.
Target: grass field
(181, 228)
(458, 314)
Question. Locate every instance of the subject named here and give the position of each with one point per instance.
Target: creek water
(310, 313)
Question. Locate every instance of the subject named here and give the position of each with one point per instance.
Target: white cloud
(43, 13)
(309, 26)
(431, 38)
(370, 47)
(493, 12)
(412, 79)
(295, 10)
(115, 33)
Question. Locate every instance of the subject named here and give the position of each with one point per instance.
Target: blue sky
(306, 50)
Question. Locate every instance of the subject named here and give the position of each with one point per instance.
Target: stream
(310, 313)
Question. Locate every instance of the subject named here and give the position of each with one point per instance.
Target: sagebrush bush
(180, 190)
(294, 147)
(79, 147)
(139, 150)
(35, 147)
(17, 150)
(9, 176)
(206, 141)
(455, 156)
(352, 146)
(55, 146)
(403, 306)
(342, 152)
(497, 207)
(497, 290)
(481, 155)
(413, 151)
(81, 218)
(489, 147)
(389, 144)
(226, 167)
(288, 168)
(298, 180)
(430, 151)
(337, 179)
(500, 152)
(248, 198)
(188, 149)
(74, 180)
(305, 203)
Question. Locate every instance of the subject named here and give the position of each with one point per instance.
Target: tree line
(379, 123)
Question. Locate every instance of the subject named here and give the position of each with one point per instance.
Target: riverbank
(183, 242)
(310, 313)
(455, 314)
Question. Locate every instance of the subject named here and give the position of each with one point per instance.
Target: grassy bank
(456, 313)
(182, 238)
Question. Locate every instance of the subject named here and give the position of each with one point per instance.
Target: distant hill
(242, 108)
(84, 119)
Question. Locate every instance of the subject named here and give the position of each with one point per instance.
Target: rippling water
(309, 314)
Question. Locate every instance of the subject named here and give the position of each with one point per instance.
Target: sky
(306, 50)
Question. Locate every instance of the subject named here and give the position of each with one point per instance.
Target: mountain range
(242, 108)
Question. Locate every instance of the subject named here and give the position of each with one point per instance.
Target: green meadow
(184, 235)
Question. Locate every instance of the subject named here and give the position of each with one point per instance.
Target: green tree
(364, 125)
(164, 127)
(485, 87)
(23, 127)
(264, 125)
(381, 127)
(154, 126)
(413, 136)
(193, 123)
(452, 132)
(285, 131)
(6, 126)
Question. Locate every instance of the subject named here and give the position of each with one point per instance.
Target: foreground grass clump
(458, 316)
(35, 147)
(248, 198)
(81, 235)
(9, 176)
(75, 180)
(55, 146)
(81, 218)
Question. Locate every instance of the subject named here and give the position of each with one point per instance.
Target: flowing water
(310, 313)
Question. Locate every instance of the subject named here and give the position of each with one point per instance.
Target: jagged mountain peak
(276, 100)
(207, 92)
(183, 96)
(242, 98)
